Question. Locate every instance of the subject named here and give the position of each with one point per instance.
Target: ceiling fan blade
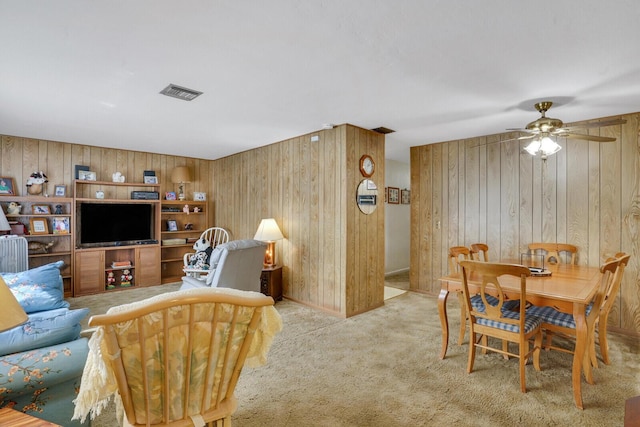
(595, 124)
(587, 137)
(526, 137)
(523, 130)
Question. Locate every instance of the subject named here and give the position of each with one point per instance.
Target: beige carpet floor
(382, 368)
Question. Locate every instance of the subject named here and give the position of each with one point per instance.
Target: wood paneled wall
(333, 255)
(20, 156)
(487, 189)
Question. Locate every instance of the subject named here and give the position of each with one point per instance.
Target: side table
(13, 418)
(271, 282)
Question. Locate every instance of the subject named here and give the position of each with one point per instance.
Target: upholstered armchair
(238, 266)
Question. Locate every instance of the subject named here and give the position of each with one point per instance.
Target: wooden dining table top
(568, 283)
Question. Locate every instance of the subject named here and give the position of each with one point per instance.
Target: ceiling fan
(543, 129)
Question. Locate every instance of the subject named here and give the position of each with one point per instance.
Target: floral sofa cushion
(43, 329)
(38, 289)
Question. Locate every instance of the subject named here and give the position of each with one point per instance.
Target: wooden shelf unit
(173, 254)
(62, 240)
(92, 265)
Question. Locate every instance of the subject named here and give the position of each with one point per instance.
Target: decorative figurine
(36, 182)
(117, 177)
(38, 247)
(185, 209)
(14, 208)
(126, 278)
(111, 280)
(188, 226)
(58, 210)
(196, 209)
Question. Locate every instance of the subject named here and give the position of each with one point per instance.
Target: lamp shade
(4, 224)
(180, 175)
(12, 312)
(268, 231)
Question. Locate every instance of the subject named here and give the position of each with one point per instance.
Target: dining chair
(552, 252)
(177, 358)
(489, 319)
(555, 322)
(457, 254)
(609, 300)
(479, 252)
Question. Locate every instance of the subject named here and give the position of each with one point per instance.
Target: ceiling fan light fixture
(545, 146)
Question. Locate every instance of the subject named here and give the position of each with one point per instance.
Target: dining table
(568, 288)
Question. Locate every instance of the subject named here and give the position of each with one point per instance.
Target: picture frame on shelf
(199, 196)
(172, 225)
(150, 179)
(39, 226)
(6, 186)
(61, 225)
(40, 210)
(170, 195)
(394, 195)
(60, 191)
(405, 196)
(86, 175)
(80, 168)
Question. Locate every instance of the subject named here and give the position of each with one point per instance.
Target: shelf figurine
(185, 209)
(196, 209)
(36, 182)
(111, 280)
(14, 208)
(126, 278)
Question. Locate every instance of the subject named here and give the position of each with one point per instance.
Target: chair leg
(549, 338)
(536, 351)
(602, 335)
(522, 360)
(505, 348)
(463, 318)
(472, 351)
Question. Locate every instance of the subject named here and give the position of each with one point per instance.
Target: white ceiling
(89, 72)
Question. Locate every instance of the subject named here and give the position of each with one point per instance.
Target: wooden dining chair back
(555, 322)
(555, 253)
(479, 252)
(177, 360)
(489, 318)
(457, 254)
(607, 304)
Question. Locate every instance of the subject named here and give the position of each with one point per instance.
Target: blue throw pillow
(38, 289)
(43, 329)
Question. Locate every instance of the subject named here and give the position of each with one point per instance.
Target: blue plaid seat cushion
(476, 302)
(530, 323)
(554, 317)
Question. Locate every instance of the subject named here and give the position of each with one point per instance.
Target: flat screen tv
(114, 224)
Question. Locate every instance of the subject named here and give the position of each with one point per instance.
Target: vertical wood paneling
(587, 194)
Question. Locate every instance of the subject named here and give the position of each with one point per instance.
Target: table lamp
(181, 175)
(4, 224)
(268, 231)
(12, 312)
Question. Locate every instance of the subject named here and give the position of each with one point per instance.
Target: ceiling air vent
(180, 92)
(383, 130)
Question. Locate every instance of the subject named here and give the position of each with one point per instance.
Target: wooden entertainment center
(87, 267)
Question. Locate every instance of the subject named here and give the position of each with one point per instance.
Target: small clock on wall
(367, 166)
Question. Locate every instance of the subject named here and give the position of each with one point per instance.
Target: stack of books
(121, 264)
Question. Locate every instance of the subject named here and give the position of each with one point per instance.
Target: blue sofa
(41, 361)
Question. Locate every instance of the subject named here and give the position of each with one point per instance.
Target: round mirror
(367, 196)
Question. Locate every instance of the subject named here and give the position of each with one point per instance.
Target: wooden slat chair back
(479, 252)
(488, 318)
(607, 304)
(553, 252)
(555, 322)
(181, 358)
(216, 236)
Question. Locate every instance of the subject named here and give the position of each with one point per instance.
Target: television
(114, 224)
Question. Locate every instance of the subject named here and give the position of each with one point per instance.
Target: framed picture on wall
(394, 195)
(405, 196)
